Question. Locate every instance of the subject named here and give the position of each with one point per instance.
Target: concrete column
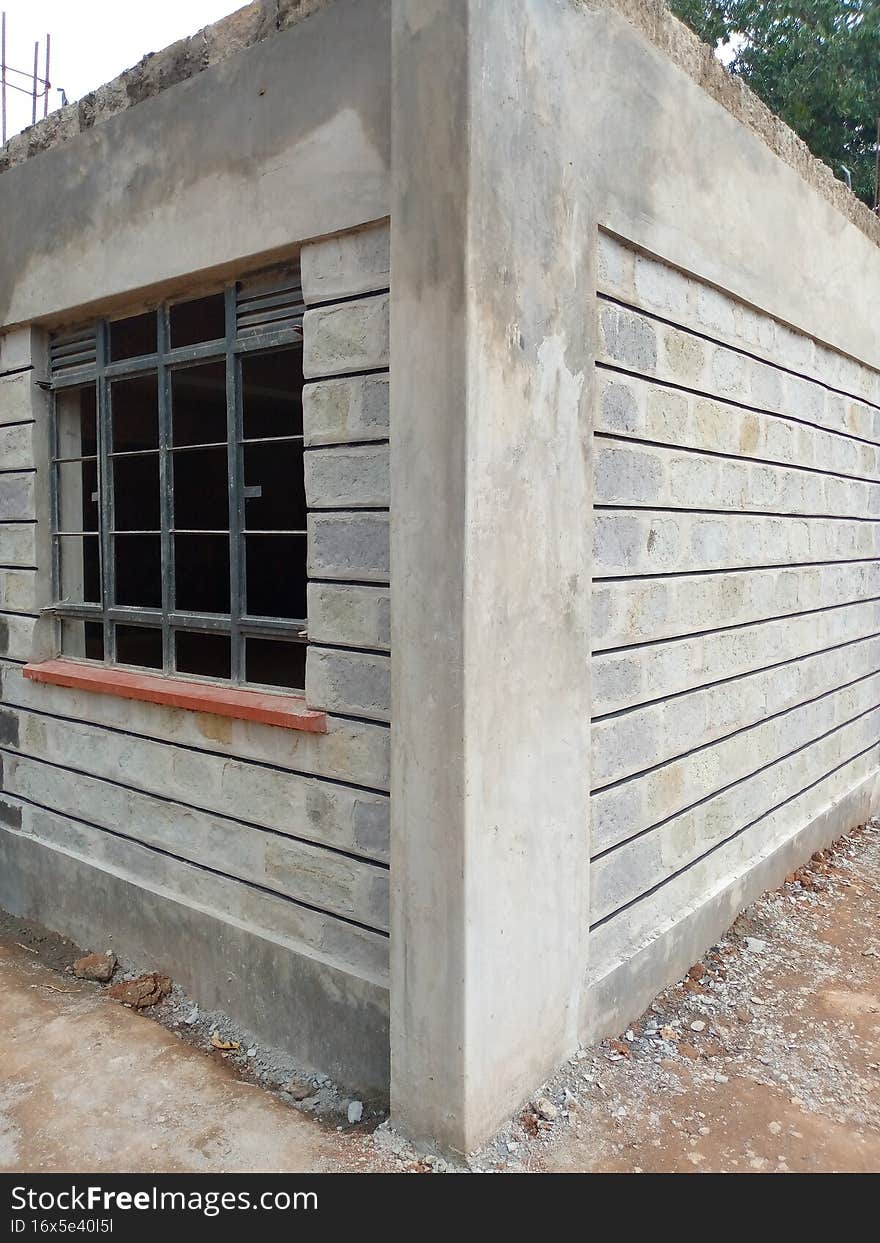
(493, 243)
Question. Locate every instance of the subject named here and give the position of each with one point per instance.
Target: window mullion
(166, 490)
(54, 518)
(105, 488)
(236, 495)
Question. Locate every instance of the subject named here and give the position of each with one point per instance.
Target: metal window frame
(242, 337)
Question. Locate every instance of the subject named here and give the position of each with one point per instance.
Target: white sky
(93, 41)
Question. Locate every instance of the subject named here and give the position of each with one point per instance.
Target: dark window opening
(139, 645)
(135, 405)
(201, 490)
(202, 319)
(133, 337)
(198, 405)
(271, 388)
(205, 653)
(272, 662)
(136, 493)
(138, 566)
(275, 575)
(275, 496)
(201, 573)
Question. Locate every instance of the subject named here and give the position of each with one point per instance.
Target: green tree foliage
(815, 63)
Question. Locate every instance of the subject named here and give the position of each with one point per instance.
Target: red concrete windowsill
(286, 711)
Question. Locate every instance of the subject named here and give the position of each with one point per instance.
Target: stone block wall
(345, 414)
(736, 602)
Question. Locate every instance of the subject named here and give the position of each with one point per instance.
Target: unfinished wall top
(690, 54)
(157, 71)
(262, 18)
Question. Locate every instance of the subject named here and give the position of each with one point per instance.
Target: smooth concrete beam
(493, 277)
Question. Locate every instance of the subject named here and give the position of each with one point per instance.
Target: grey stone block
(18, 398)
(349, 547)
(18, 543)
(17, 447)
(17, 502)
(353, 263)
(352, 682)
(350, 616)
(347, 477)
(350, 408)
(353, 336)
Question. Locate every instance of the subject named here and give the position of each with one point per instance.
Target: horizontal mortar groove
(629, 507)
(734, 569)
(203, 867)
(731, 785)
(351, 716)
(207, 811)
(731, 837)
(351, 297)
(356, 651)
(738, 349)
(623, 438)
(714, 742)
(746, 625)
(345, 375)
(347, 444)
(349, 582)
(617, 369)
(617, 713)
(189, 747)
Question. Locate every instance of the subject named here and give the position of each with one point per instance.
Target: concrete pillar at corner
(491, 339)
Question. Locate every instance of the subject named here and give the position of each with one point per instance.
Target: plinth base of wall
(327, 1019)
(622, 994)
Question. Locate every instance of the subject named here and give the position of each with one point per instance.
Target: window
(179, 512)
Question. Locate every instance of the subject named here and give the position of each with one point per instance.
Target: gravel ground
(766, 1056)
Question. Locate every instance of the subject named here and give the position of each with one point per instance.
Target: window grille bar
(106, 521)
(236, 499)
(166, 491)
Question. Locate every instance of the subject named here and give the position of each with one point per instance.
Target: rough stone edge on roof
(157, 71)
(686, 50)
(262, 18)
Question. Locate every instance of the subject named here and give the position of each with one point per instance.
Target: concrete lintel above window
(266, 708)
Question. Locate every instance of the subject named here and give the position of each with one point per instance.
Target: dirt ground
(766, 1057)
